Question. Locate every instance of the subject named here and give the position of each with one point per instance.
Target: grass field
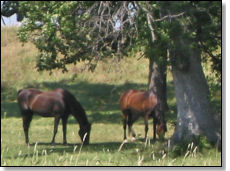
(99, 93)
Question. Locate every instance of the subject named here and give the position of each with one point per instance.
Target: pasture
(99, 94)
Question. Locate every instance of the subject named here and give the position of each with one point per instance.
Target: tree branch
(150, 18)
(169, 16)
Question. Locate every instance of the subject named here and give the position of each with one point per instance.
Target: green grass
(103, 150)
(99, 93)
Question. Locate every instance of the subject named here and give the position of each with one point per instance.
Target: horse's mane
(75, 108)
(19, 91)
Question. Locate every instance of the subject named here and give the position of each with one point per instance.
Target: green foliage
(200, 25)
(207, 25)
(53, 27)
(60, 31)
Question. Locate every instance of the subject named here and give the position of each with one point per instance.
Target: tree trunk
(195, 115)
(157, 82)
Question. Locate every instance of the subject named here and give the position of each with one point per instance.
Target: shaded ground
(101, 101)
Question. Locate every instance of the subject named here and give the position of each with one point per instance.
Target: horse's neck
(76, 109)
(79, 114)
(160, 116)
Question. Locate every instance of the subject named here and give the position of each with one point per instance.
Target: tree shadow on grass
(93, 96)
(9, 109)
(100, 100)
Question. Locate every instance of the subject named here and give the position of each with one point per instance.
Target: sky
(10, 21)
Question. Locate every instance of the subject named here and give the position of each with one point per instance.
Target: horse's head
(161, 129)
(84, 133)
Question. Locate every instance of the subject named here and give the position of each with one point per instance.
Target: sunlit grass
(103, 150)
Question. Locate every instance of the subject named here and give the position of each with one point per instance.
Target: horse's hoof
(133, 139)
(125, 141)
(53, 144)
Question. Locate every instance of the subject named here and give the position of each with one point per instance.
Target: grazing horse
(136, 103)
(58, 104)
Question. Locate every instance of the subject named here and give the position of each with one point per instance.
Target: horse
(133, 104)
(59, 104)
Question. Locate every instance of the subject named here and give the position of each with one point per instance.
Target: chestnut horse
(136, 103)
(58, 104)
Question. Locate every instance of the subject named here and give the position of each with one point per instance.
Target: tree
(195, 116)
(171, 33)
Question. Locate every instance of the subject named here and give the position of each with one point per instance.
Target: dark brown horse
(58, 104)
(136, 103)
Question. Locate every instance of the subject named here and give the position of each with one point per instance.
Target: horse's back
(49, 102)
(43, 103)
(28, 91)
(60, 90)
(124, 99)
(138, 100)
(25, 95)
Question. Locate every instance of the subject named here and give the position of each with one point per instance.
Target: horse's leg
(56, 122)
(146, 125)
(154, 127)
(64, 122)
(124, 116)
(26, 117)
(132, 132)
(130, 124)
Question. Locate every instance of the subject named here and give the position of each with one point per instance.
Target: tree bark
(195, 115)
(157, 82)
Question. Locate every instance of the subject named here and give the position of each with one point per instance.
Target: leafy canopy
(68, 32)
